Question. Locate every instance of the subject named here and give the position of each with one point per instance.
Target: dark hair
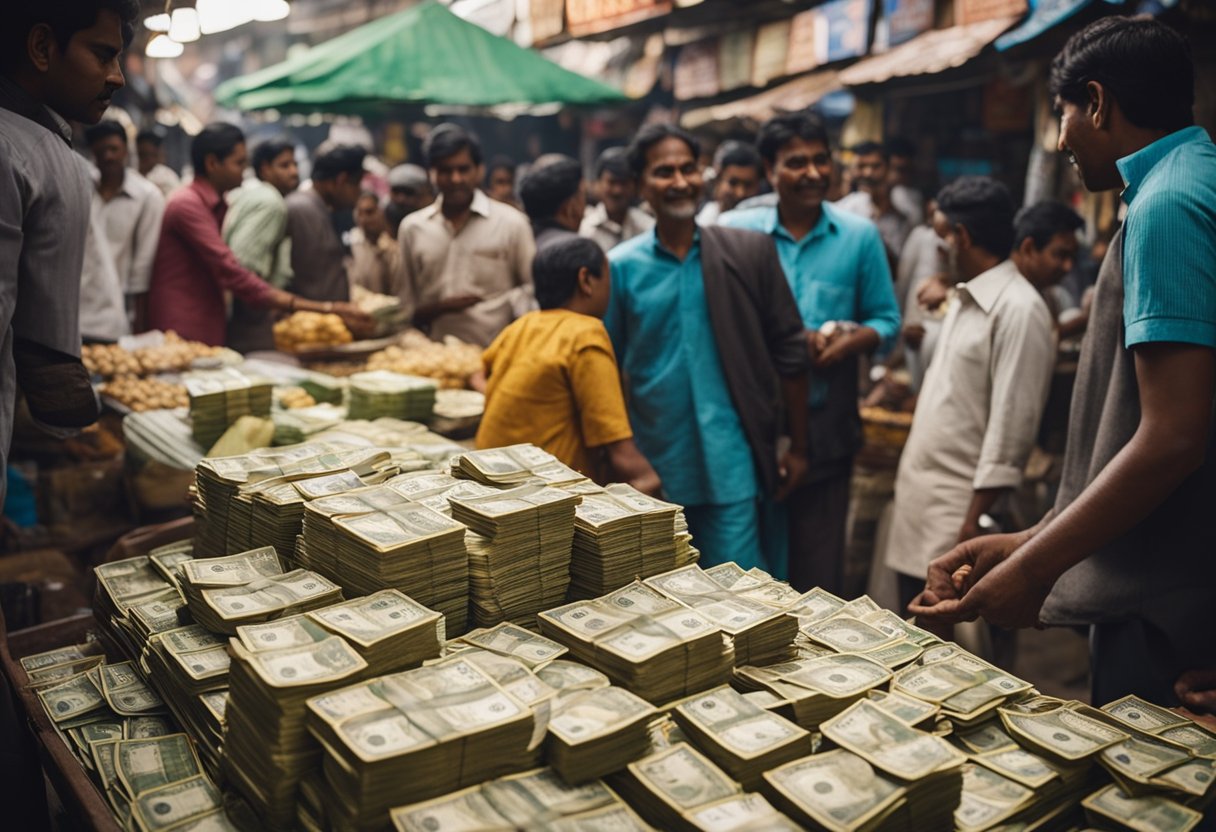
(899, 146)
(652, 134)
(267, 151)
(614, 160)
(447, 140)
(737, 155)
(869, 149)
(555, 269)
(1142, 63)
(345, 158)
(150, 134)
(984, 207)
(546, 186)
(1044, 220)
(778, 131)
(217, 139)
(500, 162)
(64, 17)
(104, 130)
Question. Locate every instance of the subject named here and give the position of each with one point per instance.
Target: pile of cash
(133, 590)
(382, 393)
(390, 630)
(644, 642)
(416, 735)
(743, 738)
(511, 640)
(762, 631)
(518, 801)
(621, 534)
(267, 747)
(189, 667)
(816, 689)
(597, 732)
(277, 511)
(317, 546)
(519, 551)
(219, 397)
(514, 465)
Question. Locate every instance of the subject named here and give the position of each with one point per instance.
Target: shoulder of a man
(738, 239)
(508, 217)
(1021, 302)
(758, 218)
(142, 187)
(631, 251)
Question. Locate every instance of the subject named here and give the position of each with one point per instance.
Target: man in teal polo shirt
(1129, 548)
(837, 269)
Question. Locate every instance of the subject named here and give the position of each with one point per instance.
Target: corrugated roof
(798, 94)
(934, 51)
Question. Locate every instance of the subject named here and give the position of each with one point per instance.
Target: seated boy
(551, 377)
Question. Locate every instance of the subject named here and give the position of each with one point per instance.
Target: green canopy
(423, 55)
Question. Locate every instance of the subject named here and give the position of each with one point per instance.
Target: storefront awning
(793, 95)
(934, 51)
(1044, 15)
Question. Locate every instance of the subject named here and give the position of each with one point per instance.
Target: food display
(450, 362)
(172, 355)
(303, 331)
(293, 398)
(141, 394)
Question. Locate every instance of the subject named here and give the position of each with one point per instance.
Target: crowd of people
(707, 334)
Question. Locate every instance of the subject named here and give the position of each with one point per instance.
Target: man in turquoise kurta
(837, 269)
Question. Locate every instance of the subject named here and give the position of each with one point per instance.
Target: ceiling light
(221, 15)
(267, 10)
(184, 24)
(162, 46)
(157, 22)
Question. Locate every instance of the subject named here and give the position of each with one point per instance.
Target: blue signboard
(906, 19)
(848, 28)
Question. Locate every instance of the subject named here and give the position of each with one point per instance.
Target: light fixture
(157, 22)
(221, 15)
(267, 10)
(161, 45)
(184, 24)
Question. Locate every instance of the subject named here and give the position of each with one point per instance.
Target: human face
(456, 179)
(671, 181)
(949, 235)
(502, 185)
(227, 173)
(736, 183)
(1050, 264)
(901, 170)
(147, 156)
(282, 172)
(79, 81)
(1082, 138)
(110, 155)
(370, 218)
(871, 171)
(616, 192)
(801, 174)
(346, 191)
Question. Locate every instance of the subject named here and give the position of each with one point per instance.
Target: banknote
(1150, 813)
(168, 805)
(881, 739)
(837, 789)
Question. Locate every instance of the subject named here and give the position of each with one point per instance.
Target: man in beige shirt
(467, 259)
(375, 256)
(983, 395)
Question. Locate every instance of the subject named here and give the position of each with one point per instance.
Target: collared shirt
(255, 228)
(893, 225)
(1169, 240)
(103, 310)
(44, 217)
(679, 405)
(164, 177)
(375, 266)
(193, 268)
(489, 256)
(131, 221)
(837, 272)
(318, 258)
(598, 226)
(977, 415)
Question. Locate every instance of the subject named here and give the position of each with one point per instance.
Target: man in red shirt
(194, 267)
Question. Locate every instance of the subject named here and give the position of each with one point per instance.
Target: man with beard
(1128, 548)
(872, 199)
(835, 265)
(709, 339)
(467, 258)
(983, 395)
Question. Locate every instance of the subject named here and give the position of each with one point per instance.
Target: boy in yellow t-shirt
(551, 377)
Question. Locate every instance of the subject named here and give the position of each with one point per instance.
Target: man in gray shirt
(318, 257)
(59, 61)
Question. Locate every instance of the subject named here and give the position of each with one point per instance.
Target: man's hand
(792, 468)
(914, 335)
(815, 344)
(1006, 596)
(932, 293)
(978, 556)
(1196, 689)
(360, 323)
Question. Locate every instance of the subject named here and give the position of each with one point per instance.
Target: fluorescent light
(221, 15)
(267, 10)
(162, 46)
(157, 22)
(184, 25)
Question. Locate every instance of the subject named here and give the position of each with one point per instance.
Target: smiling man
(835, 265)
(710, 342)
(59, 63)
(1128, 547)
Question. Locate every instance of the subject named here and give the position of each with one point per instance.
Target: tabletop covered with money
(368, 638)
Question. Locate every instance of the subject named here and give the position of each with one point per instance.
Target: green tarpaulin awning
(423, 55)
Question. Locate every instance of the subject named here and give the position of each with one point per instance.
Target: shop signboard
(803, 54)
(547, 18)
(770, 52)
(846, 28)
(906, 19)
(589, 17)
(696, 73)
(735, 59)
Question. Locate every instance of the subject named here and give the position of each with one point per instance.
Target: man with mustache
(1128, 547)
(60, 63)
(710, 342)
(835, 265)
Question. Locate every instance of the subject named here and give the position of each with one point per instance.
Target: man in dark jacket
(710, 344)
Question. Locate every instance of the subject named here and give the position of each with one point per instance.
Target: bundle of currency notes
(383, 393)
(223, 609)
(126, 584)
(416, 735)
(519, 551)
(514, 465)
(218, 398)
(189, 667)
(267, 747)
(761, 630)
(666, 786)
(816, 689)
(740, 736)
(644, 642)
(390, 630)
(598, 732)
(506, 639)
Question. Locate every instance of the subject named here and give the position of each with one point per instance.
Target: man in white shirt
(125, 218)
(983, 395)
(738, 174)
(873, 198)
(614, 219)
(150, 154)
